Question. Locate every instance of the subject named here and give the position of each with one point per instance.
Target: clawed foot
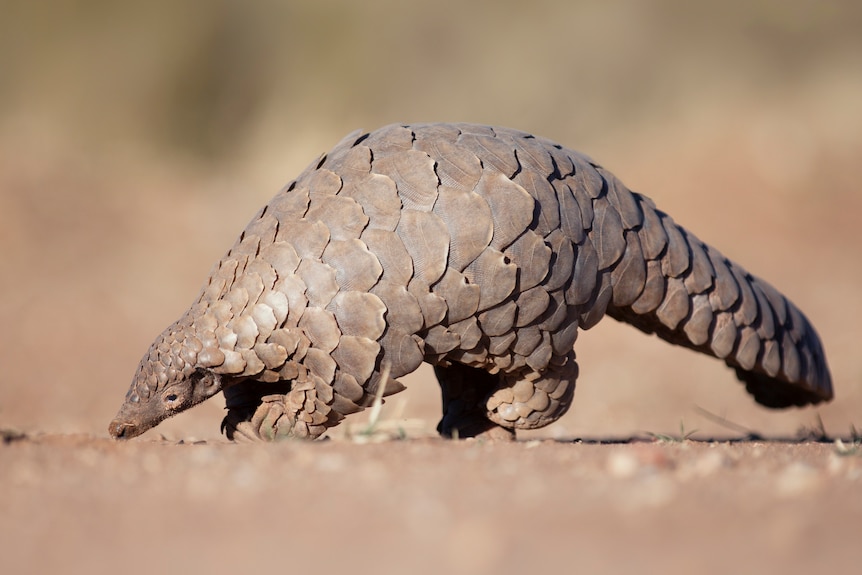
(299, 413)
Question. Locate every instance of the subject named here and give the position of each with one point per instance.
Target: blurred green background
(137, 139)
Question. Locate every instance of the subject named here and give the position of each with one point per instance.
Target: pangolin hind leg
(479, 404)
(464, 390)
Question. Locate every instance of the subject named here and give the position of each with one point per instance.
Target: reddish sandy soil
(77, 504)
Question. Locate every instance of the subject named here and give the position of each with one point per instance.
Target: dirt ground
(128, 166)
(79, 504)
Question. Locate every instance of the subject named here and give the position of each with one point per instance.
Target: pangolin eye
(171, 398)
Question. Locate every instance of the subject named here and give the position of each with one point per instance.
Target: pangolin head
(168, 381)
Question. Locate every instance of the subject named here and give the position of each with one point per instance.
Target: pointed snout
(120, 429)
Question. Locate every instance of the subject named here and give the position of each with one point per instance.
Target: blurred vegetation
(206, 77)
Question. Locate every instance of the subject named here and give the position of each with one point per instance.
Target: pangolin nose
(120, 430)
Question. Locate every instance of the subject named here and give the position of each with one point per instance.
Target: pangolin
(481, 250)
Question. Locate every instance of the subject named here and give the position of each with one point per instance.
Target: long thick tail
(695, 297)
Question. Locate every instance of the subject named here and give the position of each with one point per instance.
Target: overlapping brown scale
(351, 164)
(526, 340)
(676, 304)
(466, 128)
(392, 386)
(654, 289)
(272, 355)
(308, 238)
(652, 236)
(439, 340)
(470, 224)
(498, 320)
(468, 331)
(253, 286)
(426, 238)
(401, 351)
(588, 182)
(293, 289)
(320, 283)
(556, 313)
(261, 230)
(607, 233)
(771, 358)
(437, 132)
(765, 324)
(391, 253)
(434, 307)
(281, 256)
(701, 275)
(747, 349)
(264, 318)
(538, 360)
(530, 253)
(726, 293)
(232, 365)
(359, 314)
(546, 216)
(321, 327)
(252, 367)
(356, 356)
(214, 289)
(629, 275)
(379, 200)
(677, 259)
(462, 298)
(563, 339)
(776, 301)
(287, 339)
(221, 311)
(562, 264)
(320, 363)
(511, 207)
(226, 337)
(345, 384)
(532, 155)
(798, 328)
(237, 298)
(495, 276)
(498, 345)
(457, 167)
(290, 204)
(724, 335)
(341, 214)
(356, 268)
(341, 405)
(264, 272)
(624, 202)
(414, 177)
(476, 357)
(565, 165)
(402, 308)
(389, 140)
(791, 365)
(595, 309)
(571, 222)
(531, 303)
(322, 182)
(495, 154)
(585, 275)
(697, 325)
(747, 311)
